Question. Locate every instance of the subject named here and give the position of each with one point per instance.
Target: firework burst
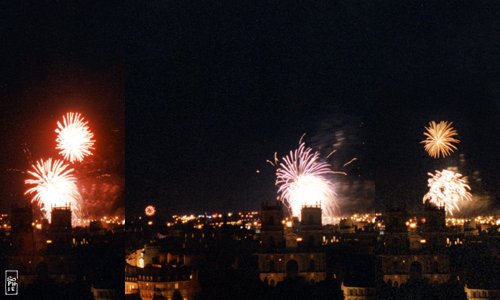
(447, 189)
(53, 184)
(440, 139)
(74, 138)
(150, 210)
(302, 179)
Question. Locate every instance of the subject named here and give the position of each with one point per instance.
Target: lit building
(481, 294)
(154, 273)
(296, 252)
(164, 281)
(417, 255)
(356, 292)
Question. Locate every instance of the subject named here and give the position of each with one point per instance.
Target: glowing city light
(53, 184)
(447, 189)
(74, 138)
(440, 139)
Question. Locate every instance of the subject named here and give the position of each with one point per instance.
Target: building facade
(481, 294)
(352, 292)
(291, 249)
(153, 273)
(420, 254)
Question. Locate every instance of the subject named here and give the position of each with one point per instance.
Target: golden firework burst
(440, 139)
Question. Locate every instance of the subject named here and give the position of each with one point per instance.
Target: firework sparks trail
(276, 160)
(15, 170)
(440, 139)
(302, 180)
(53, 185)
(74, 138)
(331, 153)
(447, 189)
(302, 138)
(27, 153)
(351, 161)
(270, 162)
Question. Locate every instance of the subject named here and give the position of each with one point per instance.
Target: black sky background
(215, 88)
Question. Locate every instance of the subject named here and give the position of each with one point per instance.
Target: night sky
(214, 89)
(56, 59)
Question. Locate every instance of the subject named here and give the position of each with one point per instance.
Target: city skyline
(189, 150)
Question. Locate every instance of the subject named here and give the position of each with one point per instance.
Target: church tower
(433, 226)
(310, 226)
(23, 239)
(60, 226)
(272, 232)
(396, 232)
